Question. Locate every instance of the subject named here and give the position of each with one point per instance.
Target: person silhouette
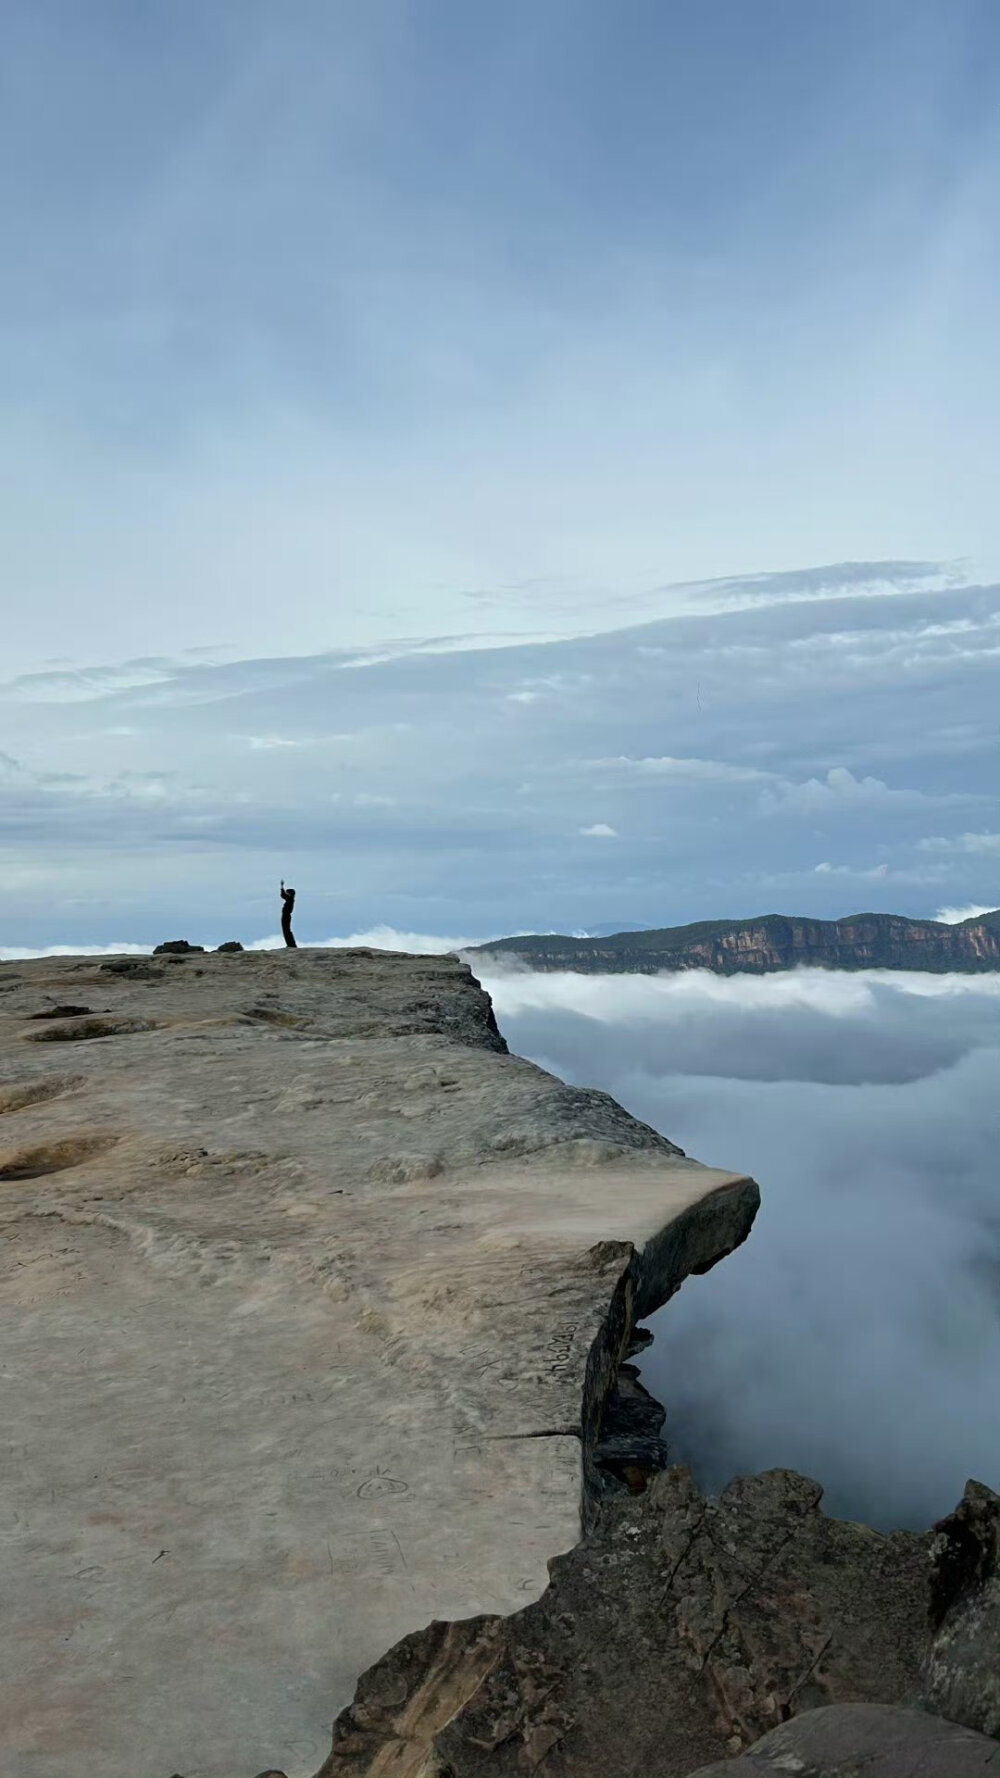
(287, 904)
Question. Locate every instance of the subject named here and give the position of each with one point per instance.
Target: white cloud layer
(378, 938)
(973, 910)
(975, 845)
(682, 771)
(840, 791)
(856, 1335)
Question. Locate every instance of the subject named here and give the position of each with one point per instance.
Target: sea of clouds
(376, 938)
(856, 1335)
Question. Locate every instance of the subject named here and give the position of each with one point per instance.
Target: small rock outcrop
(175, 947)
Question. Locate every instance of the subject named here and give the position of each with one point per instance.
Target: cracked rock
(681, 1629)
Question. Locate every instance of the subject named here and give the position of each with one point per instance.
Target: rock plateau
(316, 1309)
(312, 1299)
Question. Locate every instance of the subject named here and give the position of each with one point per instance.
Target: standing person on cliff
(287, 904)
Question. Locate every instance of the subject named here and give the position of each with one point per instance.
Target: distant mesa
(769, 943)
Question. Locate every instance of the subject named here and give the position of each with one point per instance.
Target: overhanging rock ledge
(311, 1297)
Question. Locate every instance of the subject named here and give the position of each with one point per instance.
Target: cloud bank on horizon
(856, 1335)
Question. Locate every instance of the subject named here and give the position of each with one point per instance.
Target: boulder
(864, 1741)
(680, 1630)
(962, 1670)
(175, 947)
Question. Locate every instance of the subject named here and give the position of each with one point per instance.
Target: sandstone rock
(962, 1673)
(682, 1628)
(311, 1298)
(864, 1741)
(138, 968)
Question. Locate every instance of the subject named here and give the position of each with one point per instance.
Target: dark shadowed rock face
(679, 1631)
(772, 942)
(864, 1741)
(962, 1674)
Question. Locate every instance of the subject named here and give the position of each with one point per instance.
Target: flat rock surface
(300, 1276)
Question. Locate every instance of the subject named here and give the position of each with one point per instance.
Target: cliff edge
(312, 1298)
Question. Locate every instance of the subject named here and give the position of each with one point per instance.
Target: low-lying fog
(856, 1335)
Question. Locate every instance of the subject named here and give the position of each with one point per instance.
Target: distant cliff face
(772, 942)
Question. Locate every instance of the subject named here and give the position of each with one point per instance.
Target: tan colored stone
(307, 1290)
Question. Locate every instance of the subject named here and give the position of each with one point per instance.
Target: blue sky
(333, 328)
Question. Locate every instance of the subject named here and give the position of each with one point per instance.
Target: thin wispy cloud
(975, 845)
(680, 771)
(875, 873)
(840, 790)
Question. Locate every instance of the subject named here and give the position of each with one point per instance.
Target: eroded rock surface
(308, 1292)
(680, 1631)
(962, 1675)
